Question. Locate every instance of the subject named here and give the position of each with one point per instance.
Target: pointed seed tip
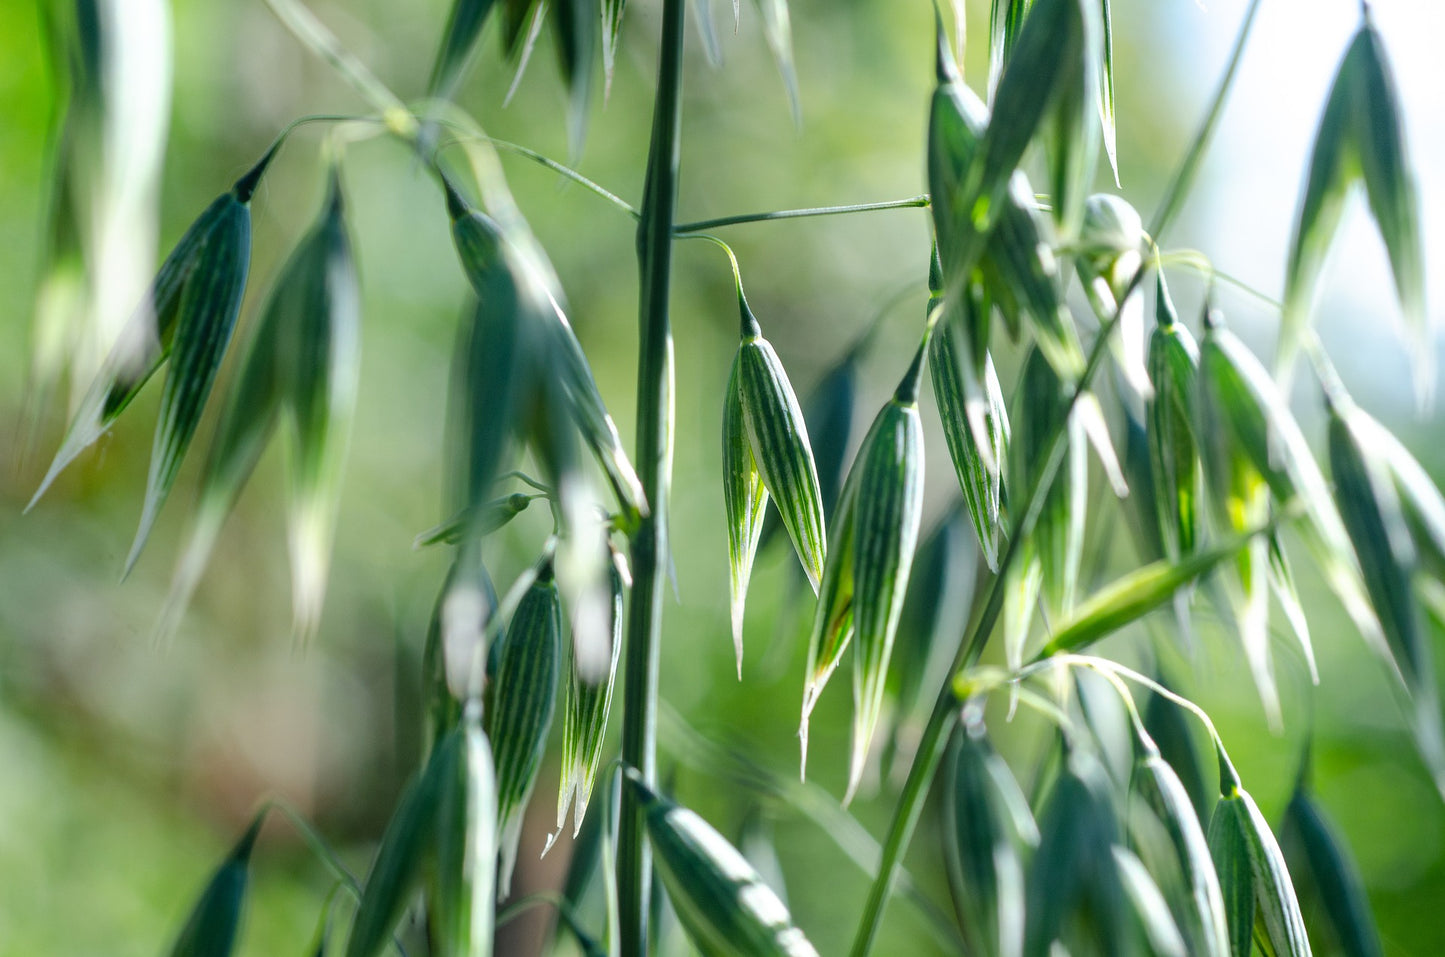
(245, 187)
(457, 206)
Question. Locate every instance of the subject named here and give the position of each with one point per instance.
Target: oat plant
(971, 647)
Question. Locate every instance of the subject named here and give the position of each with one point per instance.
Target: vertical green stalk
(654, 463)
(945, 709)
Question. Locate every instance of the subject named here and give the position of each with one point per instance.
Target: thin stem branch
(317, 843)
(913, 202)
(564, 908)
(654, 464)
(559, 168)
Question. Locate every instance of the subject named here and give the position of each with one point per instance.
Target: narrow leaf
(1136, 594)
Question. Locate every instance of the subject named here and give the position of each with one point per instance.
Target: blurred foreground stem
(654, 464)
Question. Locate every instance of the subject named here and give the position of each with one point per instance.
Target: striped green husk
(465, 895)
(1375, 522)
(1199, 907)
(584, 723)
(1233, 864)
(833, 616)
(978, 464)
(303, 363)
(1021, 272)
(148, 336)
(1153, 924)
(779, 440)
(1178, 473)
(870, 554)
(1253, 878)
(595, 422)
(745, 501)
(1241, 393)
(887, 510)
(1251, 440)
(215, 921)
(726, 908)
(207, 312)
(1058, 538)
(523, 700)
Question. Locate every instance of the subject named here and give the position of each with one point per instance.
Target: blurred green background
(126, 770)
